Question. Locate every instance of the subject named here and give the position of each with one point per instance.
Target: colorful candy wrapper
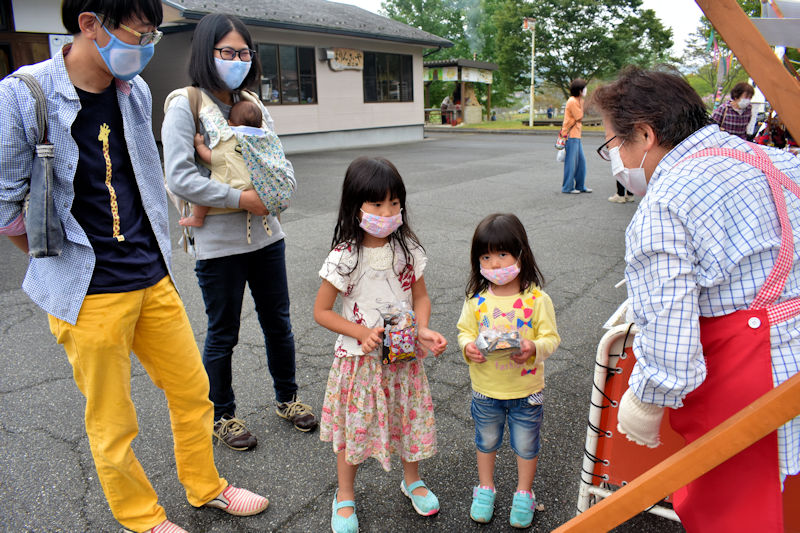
(399, 333)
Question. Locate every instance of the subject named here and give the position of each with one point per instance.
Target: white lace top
(380, 277)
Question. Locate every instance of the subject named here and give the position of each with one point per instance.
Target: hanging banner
(476, 75)
(431, 74)
(449, 74)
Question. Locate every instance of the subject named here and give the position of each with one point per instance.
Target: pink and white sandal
(239, 502)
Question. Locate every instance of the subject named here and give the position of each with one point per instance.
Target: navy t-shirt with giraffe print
(107, 202)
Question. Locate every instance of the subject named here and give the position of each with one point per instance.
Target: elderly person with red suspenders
(714, 282)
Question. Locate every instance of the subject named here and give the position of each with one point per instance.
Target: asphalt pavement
(47, 477)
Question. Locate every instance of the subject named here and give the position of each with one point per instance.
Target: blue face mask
(124, 61)
(232, 72)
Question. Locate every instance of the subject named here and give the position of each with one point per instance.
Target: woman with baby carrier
(240, 241)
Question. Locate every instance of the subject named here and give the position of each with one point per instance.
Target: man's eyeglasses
(229, 54)
(150, 37)
(603, 150)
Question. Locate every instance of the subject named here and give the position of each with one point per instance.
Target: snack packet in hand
(494, 342)
(399, 333)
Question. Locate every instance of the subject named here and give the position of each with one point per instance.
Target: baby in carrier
(245, 118)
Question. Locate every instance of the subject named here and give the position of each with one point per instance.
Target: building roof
(461, 63)
(319, 16)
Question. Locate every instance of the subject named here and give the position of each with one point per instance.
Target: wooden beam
(749, 425)
(757, 58)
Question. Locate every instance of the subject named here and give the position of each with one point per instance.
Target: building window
(6, 16)
(388, 78)
(288, 74)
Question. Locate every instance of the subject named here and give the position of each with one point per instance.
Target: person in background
(621, 196)
(574, 162)
(110, 291)
(714, 282)
(735, 114)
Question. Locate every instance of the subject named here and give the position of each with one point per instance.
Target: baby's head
(245, 113)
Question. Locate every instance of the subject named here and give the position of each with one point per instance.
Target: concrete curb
(457, 129)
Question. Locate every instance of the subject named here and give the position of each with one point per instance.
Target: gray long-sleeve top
(223, 234)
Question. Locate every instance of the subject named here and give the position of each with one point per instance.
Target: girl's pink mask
(501, 276)
(379, 226)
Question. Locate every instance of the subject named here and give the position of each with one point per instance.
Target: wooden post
(489, 102)
(752, 423)
(757, 58)
(463, 96)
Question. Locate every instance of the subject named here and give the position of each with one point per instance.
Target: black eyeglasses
(229, 54)
(603, 150)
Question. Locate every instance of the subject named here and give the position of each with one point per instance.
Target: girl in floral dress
(372, 409)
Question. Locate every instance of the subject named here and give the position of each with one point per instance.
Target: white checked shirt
(702, 243)
(59, 284)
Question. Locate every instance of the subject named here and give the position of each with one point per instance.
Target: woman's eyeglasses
(229, 54)
(603, 150)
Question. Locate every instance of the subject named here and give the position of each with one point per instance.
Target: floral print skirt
(375, 410)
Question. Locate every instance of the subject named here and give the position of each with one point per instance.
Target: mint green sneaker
(522, 509)
(482, 504)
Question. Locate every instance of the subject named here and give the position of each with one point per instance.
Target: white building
(334, 75)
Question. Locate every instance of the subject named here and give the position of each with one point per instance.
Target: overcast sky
(682, 16)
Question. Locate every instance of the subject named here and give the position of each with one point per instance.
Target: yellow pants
(153, 324)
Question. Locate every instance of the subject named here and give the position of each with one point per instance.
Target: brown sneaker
(298, 414)
(233, 433)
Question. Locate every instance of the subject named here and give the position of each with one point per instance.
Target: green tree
(574, 38)
(595, 38)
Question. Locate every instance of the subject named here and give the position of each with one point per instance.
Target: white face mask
(744, 102)
(583, 92)
(632, 179)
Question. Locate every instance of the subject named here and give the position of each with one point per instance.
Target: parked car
(524, 109)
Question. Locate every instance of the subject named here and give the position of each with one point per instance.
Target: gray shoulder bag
(45, 234)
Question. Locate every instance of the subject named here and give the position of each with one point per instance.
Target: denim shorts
(524, 422)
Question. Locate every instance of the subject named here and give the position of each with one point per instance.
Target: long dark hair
(502, 232)
(202, 69)
(369, 179)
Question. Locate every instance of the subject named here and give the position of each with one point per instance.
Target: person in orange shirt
(574, 162)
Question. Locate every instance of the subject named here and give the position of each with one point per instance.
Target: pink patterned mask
(379, 226)
(501, 276)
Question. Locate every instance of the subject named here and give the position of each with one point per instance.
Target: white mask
(583, 92)
(632, 179)
(744, 102)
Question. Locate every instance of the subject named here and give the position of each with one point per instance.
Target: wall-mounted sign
(347, 59)
(57, 42)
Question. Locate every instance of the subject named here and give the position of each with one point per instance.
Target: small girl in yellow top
(504, 296)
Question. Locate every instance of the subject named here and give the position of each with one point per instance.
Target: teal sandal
(424, 505)
(340, 524)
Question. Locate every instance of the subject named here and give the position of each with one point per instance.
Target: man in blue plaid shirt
(714, 290)
(110, 291)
